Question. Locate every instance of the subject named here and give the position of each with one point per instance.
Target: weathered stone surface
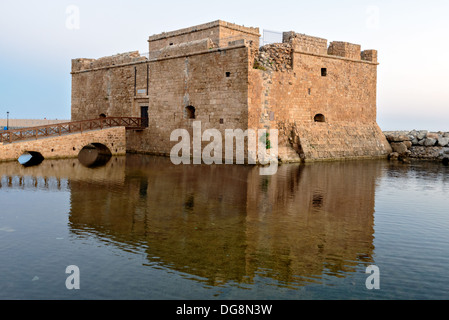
(399, 147)
(422, 134)
(401, 138)
(430, 142)
(433, 135)
(443, 142)
(426, 153)
(393, 156)
(408, 144)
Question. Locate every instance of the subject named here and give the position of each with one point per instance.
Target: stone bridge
(67, 140)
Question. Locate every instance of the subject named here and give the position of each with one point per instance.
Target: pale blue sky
(36, 46)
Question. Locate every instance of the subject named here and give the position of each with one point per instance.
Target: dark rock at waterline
(446, 161)
(399, 147)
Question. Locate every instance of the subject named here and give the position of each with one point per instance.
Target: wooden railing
(59, 129)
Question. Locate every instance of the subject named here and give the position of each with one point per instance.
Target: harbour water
(142, 228)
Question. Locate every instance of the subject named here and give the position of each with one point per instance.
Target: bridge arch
(31, 158)
(94, 155)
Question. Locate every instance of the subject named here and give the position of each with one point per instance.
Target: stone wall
(220, 32)
(305, 43)
(67, 146)
(293, 82)
(214, 83)
(345, 49)
(108, 87)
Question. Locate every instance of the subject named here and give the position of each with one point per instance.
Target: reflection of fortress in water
(228, 223)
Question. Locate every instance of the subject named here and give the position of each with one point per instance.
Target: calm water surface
(142, 228)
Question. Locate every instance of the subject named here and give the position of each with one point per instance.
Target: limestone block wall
(215, 83)
(305, 43)
(182, 49)
(345, 49)
(338, 92)
(67, 146)
(110, 86)
(218, 31)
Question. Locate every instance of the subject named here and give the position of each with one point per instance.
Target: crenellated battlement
(115, 60)
(314, 45)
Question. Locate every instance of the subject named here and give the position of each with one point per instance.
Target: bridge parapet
(67, 145)
(59, 129)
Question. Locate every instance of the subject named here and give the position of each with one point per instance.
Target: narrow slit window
(190, 112)
(324, 72)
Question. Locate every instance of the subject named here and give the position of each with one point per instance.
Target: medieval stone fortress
(321, 97)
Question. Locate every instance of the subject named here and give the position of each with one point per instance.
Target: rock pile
(275, 57)
(415, 144)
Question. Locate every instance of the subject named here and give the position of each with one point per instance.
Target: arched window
(102, 116)
(190, 112)
(320, 118)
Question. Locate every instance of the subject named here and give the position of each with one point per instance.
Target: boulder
(443, 142)
(430, 142)
(413, 133)
(408, 144)
(399, 147)
(393, 156)
(398, 137)
(422, 134)
(432, 135)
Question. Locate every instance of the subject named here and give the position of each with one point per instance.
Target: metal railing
(60, 129)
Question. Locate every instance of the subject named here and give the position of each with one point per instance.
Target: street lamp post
(7, 120)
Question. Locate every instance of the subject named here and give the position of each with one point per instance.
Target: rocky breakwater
(419, 145)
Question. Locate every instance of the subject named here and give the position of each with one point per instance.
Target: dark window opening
(310, 91)
(221, 121)
(171, 43)
(228, 74)
(320, 118)
(317, 201)
(324, 72)
(145, 117)
(102, 116)
(190, 112)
